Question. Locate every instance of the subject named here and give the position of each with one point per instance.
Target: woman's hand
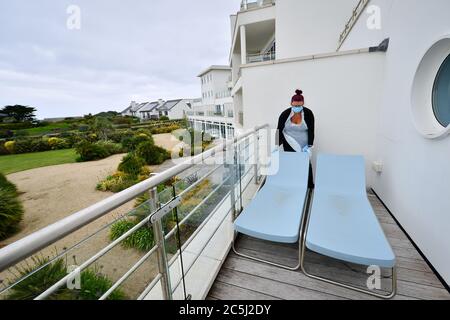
(308, 150)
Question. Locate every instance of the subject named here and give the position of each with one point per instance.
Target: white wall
(305, 27)
(215, 81)
(415, 184)
(179, 111)
(343, 93)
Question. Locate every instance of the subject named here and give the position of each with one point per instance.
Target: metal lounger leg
(340, 284)
(297, 267)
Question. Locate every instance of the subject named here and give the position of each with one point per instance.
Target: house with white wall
(175, 109)
(133, 109)
(377, 82)
(150, 110)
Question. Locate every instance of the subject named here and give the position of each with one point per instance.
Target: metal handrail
(362, 4)
(39, 240)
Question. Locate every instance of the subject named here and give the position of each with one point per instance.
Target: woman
(296, 129)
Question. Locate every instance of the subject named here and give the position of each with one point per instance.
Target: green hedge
(152, 154)
(131, 164)
(11, 210)
(90, 151)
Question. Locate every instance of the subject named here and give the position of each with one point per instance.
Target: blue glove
(308, 150)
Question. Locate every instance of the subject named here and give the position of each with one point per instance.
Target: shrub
(11, 210)
(117, 182)
(5, 184)
(164, 118)
(142, 239)
(32, 286)
(131, 164)
(111, 147)
(166, 129)
(93, 284)
(57, 143)
(3, 151)
(72, 138)
(89, 151)
(119, 135)
(120, 181)
(152, 154)
(25, 146)
(22, 133)
(83, 128)
(10, 146)
(131, 143)
(16, 126)
(5, 133)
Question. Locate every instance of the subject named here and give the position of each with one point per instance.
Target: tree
(102, 127)
(19, 113)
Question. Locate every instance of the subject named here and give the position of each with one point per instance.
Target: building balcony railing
(253, 58)
(253, 4)
(213, 114)
(182, 232)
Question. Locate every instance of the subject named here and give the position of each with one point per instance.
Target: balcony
(255, 4)
(191, 223)
(254, 58)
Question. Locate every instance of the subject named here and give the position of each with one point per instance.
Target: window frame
(434, 104)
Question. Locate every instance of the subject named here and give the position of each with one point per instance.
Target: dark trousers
(311, 177)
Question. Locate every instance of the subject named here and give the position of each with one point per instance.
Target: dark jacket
(310, 122)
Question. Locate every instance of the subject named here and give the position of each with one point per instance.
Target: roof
(169, 105)
(3, 115)
(149, 107)
(214, 67)
(138, 106)
(126, 110)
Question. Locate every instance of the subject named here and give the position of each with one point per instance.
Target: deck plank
(272, 287)
(241, 278)
(225, 291)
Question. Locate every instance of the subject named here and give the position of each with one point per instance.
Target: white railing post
(233, 182)
(162, 260)
(154, 200)
(256, 155)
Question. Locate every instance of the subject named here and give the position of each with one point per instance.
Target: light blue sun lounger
(276, 214)
(342, 224)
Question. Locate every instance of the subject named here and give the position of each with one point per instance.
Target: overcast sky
(125, 50)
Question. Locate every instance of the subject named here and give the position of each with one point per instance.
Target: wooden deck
(244, 279)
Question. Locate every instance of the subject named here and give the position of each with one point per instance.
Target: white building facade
(388, 103)
(213, 112)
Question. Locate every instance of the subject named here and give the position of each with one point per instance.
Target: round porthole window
(430, 94)
(441, 94)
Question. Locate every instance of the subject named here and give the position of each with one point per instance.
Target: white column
(243, 45)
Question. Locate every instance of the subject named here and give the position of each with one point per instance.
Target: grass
(21, 162)
(46, 130)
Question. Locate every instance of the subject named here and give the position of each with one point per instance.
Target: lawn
(20, 162)
(46, 130)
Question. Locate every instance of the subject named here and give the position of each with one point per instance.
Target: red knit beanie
(298, 96)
